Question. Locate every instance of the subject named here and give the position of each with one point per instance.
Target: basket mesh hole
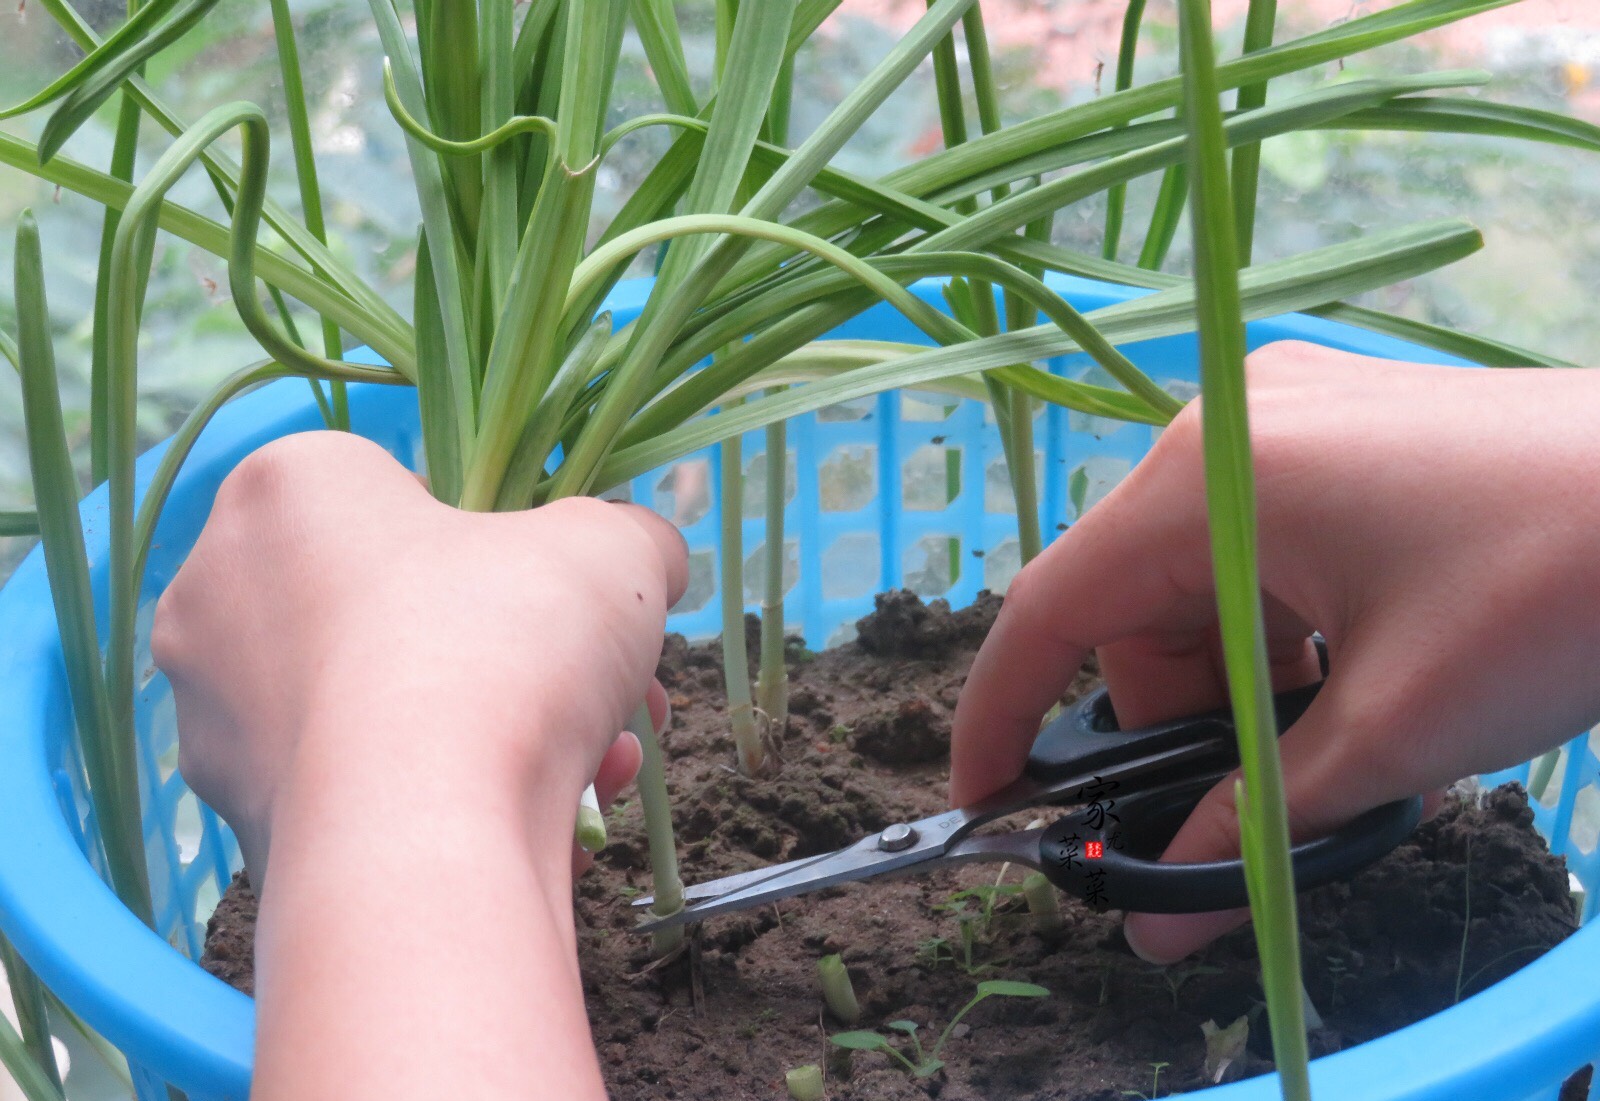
(1552, 791)
(1001, 564)
(915, 406)
(852, 566)
(848, 479)
(755, 570)
(167, 763)
(997, 495)
(702, 582)
(930, 480)
(1092, 479)
(755, 484)
(932, 565)
(683, 494)
(1585, 829)
(186, 828)
(858, 409)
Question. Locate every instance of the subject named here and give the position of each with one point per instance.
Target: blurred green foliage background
(1539, 207)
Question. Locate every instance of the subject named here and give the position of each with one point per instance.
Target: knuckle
(614, 530)
(277, 470)
(1024, 589)
(166, 632)
(259, 477)
(1180, 438)
(1028, 591)
(1213, 826)
(1270, 360)
(193, 767)
(580, 511)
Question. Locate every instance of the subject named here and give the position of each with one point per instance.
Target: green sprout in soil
(1155, 1084)
(991, 899)
(1338, 972)
(1176, 978)
(752, 1028)
(975, 910)
(1464, 981)
(920, 1063)
(937, 951)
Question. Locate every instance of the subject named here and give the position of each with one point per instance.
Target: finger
(669, 542)
(617, 769)
(1326, 784)
(1153, 678)
(621, 764)
(1137, 563)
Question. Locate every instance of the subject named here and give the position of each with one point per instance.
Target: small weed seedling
(752, 1028)
(1178, 977)
(936, 951)
(924, 1064)
(1155, 1084)
(939, 950)
(1338, 972)
(975, 909)
(991, 899)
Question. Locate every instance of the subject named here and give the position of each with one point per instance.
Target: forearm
(422, 946)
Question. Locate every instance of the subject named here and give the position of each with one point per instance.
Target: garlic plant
(763, 246)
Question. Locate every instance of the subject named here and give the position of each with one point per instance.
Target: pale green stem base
(772, 685)
(652, 784)
(805, 1083)
(735, 661)
(1044, 902)
(837, 990)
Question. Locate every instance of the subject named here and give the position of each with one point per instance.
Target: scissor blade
(863, 860)
(713, 888)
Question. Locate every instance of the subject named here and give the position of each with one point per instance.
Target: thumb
(1326, 784)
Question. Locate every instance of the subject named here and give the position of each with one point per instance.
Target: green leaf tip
(1006, 989)
(859, 1041)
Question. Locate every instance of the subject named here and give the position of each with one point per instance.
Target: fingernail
(666, 720)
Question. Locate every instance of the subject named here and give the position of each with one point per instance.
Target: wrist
(423, 772)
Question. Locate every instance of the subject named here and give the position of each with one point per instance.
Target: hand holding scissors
(1132, 790)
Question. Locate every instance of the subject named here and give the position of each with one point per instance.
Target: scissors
(1132, 788)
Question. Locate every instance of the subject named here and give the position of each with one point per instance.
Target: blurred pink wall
(1074, 37)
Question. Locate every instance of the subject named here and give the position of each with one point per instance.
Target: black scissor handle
(1085, 739)
(1127, 873)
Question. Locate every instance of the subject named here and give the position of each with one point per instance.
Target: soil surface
(866, 746)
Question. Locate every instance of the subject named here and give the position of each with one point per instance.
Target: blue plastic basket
(1515, 1041)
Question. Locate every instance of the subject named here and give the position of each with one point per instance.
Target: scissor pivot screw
(897, 837)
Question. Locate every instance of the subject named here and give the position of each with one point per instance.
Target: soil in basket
(867, 746)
